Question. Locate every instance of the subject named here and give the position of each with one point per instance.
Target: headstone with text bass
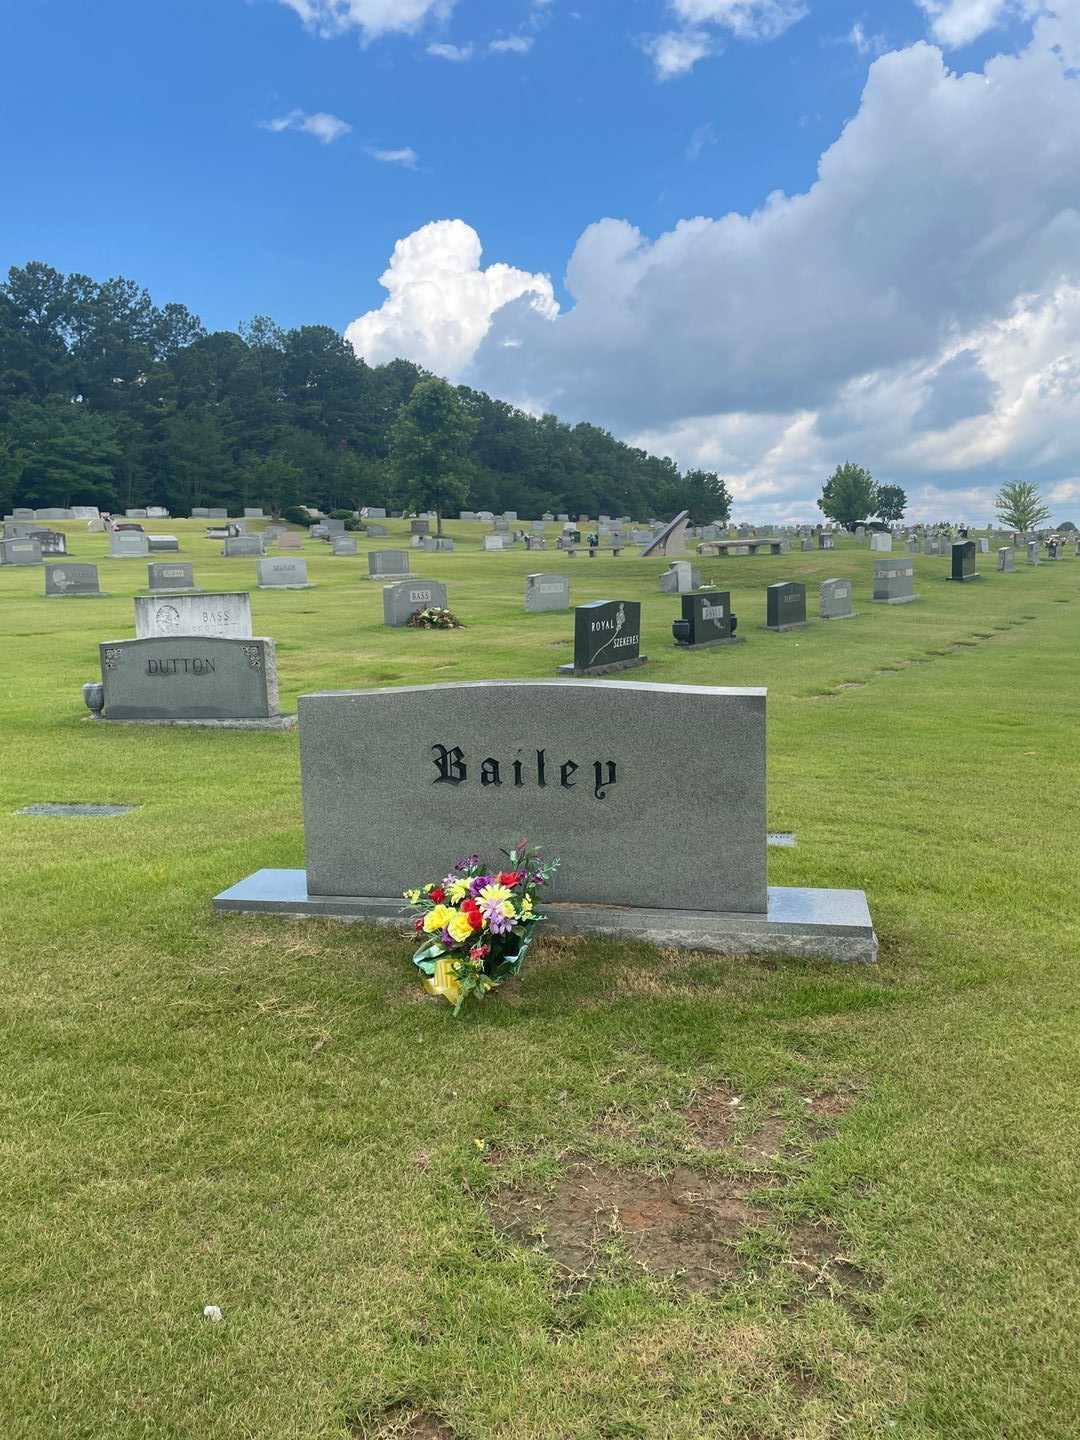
(408, 597)
(225, 615)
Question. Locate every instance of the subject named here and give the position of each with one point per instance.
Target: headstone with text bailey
(894, 581)
(785, 605)
(226, 616)
(282, 572)
(707, 620)
(546, 592)
(73, 579)
(188, 679)
(595, 771)
(170, 575)
(836, 600)
(408, 597)
(607, 638)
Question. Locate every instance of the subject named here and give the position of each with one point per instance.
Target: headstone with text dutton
(188, 679)
(594, 772)
(70, 578)
(607, 638)
(707, 620)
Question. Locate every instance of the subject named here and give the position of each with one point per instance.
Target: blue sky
(265, 156)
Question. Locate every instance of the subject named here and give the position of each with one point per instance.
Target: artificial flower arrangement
(435, 618)
(478, 923)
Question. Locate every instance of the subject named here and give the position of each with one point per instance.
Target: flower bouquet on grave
(434, 618)
(477, 923)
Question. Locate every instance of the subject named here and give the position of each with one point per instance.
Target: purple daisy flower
(475, 886)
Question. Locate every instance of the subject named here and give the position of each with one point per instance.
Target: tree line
(108, 399)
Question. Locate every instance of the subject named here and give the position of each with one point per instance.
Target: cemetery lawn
(268, 1116)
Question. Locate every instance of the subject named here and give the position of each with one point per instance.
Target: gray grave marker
(226, 615)
(188, 679)
(836, 600)
(170, 576)
(282, 572)
(894, 582)
(405, 599)
(72, 579)
(546, 592)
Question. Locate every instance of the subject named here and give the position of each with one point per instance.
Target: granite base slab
(962, 579)
(273, 722)
(831, 924)
(712, 644)
(571, 670)
(782, 629)
(309, 586)
(851, 615)
(93, 595)
(894, 600)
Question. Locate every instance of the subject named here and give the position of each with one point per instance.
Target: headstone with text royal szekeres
(408, 597)
(188, 679)
(607, 638)
(590, 770)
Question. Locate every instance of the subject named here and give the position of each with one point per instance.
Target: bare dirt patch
(402, 1422)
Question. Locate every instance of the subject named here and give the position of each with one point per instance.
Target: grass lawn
(639, 1193)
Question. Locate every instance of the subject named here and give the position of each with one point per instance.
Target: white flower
(212, 1312)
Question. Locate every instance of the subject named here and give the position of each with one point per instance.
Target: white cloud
(372, 18)
(866, 44)
(702, 137)
(958, 22)
(406, 156)
(747, 19)
(441, 301)
(512, 45)
(325, 128)
(677, 51)
(457, 54)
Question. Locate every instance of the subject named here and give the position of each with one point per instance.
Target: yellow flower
(460, 926)
(428, 889)
(412, 896)
(527, 905)
(507, 908)
(437, 917)
(495, 892)
(458, 890)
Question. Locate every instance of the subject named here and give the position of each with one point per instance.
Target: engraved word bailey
(453, 769)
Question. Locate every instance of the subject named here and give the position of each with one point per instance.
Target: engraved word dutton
(454, 770)
(195, 666)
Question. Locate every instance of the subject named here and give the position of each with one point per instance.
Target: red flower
(418, 924)
(472, 910)
(510, 878)
(480, 952)
(438, 895)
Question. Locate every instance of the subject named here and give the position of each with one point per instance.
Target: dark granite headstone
(963, 561)
(785, 605)
(707, 619)
(607, 637)
(170, 576)
(72, 579)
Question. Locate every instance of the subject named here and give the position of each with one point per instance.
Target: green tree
(849, 495)
(66, 453)
(706, 496)
(429, 447)
(890, 503)
(1020, 506)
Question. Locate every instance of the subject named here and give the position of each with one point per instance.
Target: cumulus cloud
(441, 300)
(677, 51)
(324, 128)
(959, 22)
(512, 45)
(372, 18)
